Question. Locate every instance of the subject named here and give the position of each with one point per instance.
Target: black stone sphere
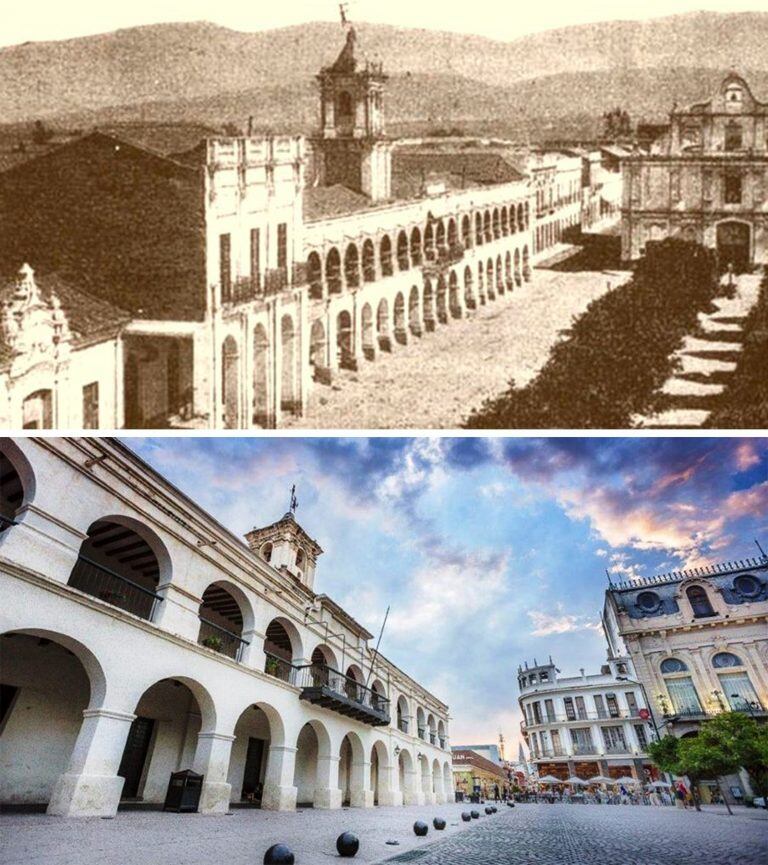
(511, 804)
(488, 809)
(347, 844)
(420, 828)
(475, 815)
(466, 816)
(278, 854)
(439, 823)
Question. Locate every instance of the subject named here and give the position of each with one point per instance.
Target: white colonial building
(140, 637)
(587, 725)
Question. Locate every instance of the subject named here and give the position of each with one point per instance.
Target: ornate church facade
(705, 179)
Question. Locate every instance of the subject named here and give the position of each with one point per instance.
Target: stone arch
(520, 218)
(401, 330)
(352, 266)
(512, 219)
(51, 679)
(428, 306)
(441, 733)
(518, 269)
(487, 229)
(258, 729)
(225, 613)
(425, 773)
(504, 221)
(260, 408)
(405, 776)
(368, 332)
(402, 714)
(496, 223)
(312, 745)
(479, 238)
(440, 234)
(499, 276)
(469, 295)
(526, 264)
(509, 278)
(17, 483)
(421, 723)
(448, 782)
(454, 300)
(403, 260)
(414, 311)
(317, 349)
(344, 339)
(416, 254)
(289, 396)
(437, 781)
(352, 781)
(432, 728)
(382, 325)
(453, 236)
(379, 773)
(385, 255)
(441, 299)
(122, 562)
(490, 287)
(481, 282)
(333, 271)
(283, 647)
(230, 382)
(315, 275)
(466, 231)
(429, 241)
(369, 261)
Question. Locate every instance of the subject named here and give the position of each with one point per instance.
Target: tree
(616, 124)
(707, 755)
(665, 753)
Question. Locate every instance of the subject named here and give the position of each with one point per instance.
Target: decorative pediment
(34, 327)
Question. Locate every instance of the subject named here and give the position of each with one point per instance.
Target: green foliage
(664, 753)
(744, 404)
(618, 353)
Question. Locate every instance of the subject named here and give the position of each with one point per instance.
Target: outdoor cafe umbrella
(550, 779)
(625, 779)
(577, 782)
(660, 784)
(600, 779)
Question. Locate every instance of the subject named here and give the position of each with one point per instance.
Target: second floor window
(570, 712)
(733, 137)
(732, 194)
(613, 706)
(282, 245)
(91, 405)
(225, 265)
(642, 738)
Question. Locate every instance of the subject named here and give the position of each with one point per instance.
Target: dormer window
(699, 601)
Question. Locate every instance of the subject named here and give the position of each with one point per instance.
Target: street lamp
(750, 704)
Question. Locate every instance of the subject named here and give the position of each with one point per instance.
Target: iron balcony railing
(279, 668)
(553, 752)
(617, 749)
(584, 748)
(433, 738)
(422, 731)
(605, 715)
(692, 713)
(324, 685)
(113, 588)
(442, 742)
(402, 725)
(221, 640)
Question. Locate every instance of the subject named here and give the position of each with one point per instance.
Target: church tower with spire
(351, 144)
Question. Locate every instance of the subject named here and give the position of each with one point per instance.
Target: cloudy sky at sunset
(489, 551)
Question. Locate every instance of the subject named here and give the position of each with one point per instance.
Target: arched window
(315, 275)
(352, 266)
(403, 261)
(385, 256)
(221, 622)
(344, 110)
(727, 659)
(699, 601)
(369, 262)
(673, 665)
(733, 136)
(266, 552)
(278, 651)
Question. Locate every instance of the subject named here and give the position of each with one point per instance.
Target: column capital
(109, 713)
(212, 734)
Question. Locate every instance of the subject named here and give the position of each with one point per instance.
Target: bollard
(439, 823)
(420, 828)
(278, 854)
(475, 815)
(466, 816)
(347, 844)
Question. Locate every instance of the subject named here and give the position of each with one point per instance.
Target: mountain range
(548, 81)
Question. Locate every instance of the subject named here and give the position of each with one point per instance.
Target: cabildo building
(247, 271)
(140, 637)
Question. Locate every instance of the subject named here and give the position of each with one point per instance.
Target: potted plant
(213, 641)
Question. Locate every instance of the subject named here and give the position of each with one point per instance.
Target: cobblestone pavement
(438, 379)
(155, 838)
(525, 835)
(603, 835)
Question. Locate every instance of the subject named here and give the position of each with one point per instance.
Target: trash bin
(184, 791)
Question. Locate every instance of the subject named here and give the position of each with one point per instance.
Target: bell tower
(352, 144)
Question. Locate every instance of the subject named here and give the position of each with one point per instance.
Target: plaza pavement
(525, 835)
(437, 380)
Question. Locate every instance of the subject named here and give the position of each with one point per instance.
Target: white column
(279, 792)
(212, 761)
(360, 796)
(327, 790)
(388, 792)
(91, 786)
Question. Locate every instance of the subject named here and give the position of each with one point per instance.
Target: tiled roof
(90, 318)
(165, 138)
(324, 201)
(465, 756)
(455, 168)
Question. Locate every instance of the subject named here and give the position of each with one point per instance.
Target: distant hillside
(200, 61)
(557, 106)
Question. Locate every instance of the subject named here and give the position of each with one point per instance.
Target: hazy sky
(490, 552)
(35, 20)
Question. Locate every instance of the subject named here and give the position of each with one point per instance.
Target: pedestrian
(681, 794)
(496, 796)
